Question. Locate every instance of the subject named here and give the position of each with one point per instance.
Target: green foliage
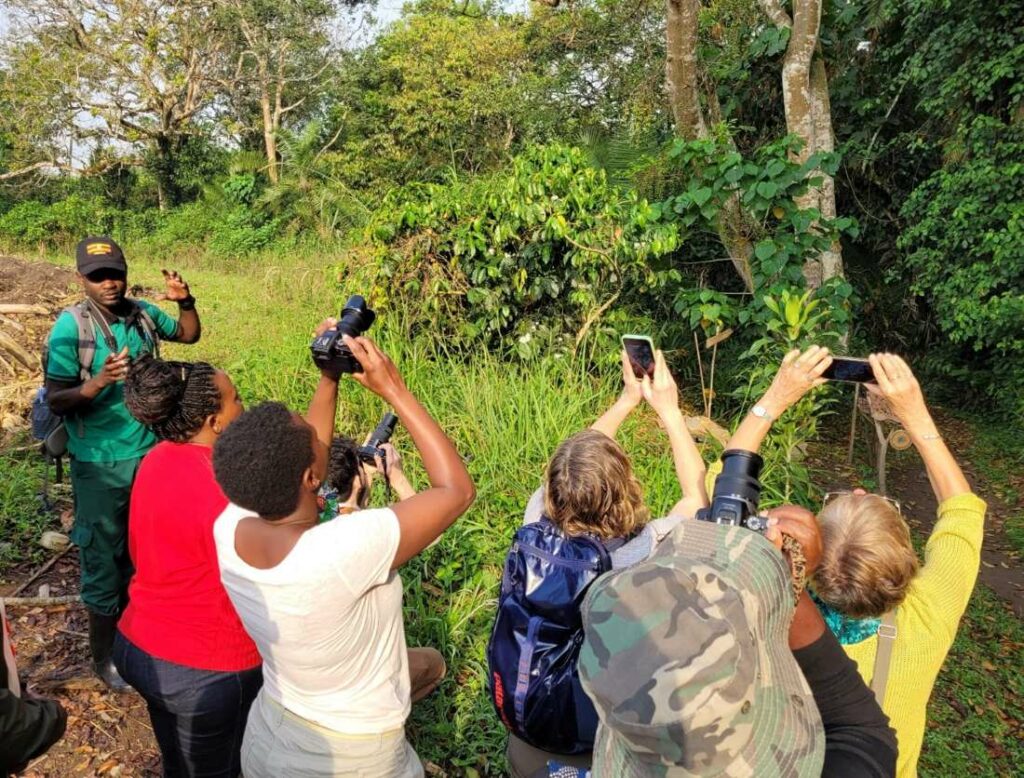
(965, 251)
(60, 224)
(535, 252)
(766, 185)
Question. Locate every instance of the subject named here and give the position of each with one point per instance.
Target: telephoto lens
(737, 492)
(381, 435)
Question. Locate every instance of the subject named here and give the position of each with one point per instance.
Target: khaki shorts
(278, 743)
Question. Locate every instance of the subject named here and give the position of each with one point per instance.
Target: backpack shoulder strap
(148, 326)
(883, 656)
(84, 318)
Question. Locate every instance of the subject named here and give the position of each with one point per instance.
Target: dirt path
(108, 734)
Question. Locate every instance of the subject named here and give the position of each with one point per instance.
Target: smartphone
(850, 369)
(640, 351)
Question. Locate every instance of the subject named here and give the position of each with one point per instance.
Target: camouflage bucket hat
(687, 660)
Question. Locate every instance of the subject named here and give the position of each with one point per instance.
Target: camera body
(381, 435)
(329, 351)
(737, 492)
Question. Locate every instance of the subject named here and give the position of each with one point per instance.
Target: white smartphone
(640, 351)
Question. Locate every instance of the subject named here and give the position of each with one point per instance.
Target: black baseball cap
(99, 253)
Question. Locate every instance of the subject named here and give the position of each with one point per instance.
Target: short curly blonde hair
(590, 488)
(868, 560)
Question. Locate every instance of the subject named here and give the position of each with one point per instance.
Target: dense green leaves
(529, 255)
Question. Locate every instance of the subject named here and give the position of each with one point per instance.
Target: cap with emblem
(686, 657)
(99, 254)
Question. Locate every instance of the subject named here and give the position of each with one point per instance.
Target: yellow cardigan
(926, 623)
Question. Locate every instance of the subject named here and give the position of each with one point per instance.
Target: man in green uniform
(106, 444)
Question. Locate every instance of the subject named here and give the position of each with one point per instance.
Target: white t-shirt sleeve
(361, 547)
(535, 507)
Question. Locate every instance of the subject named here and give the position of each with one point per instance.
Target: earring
(216, 428)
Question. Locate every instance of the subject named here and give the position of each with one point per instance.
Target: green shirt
(103, 430)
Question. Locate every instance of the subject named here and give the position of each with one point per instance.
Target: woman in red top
(180, 642)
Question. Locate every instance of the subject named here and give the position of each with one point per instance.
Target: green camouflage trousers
(102, 491)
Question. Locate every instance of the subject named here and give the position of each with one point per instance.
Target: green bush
(528, 257)
(965, 256)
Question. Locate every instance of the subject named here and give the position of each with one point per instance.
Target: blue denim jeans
(198, 715)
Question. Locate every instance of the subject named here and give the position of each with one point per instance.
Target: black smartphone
(640, 351)
(850, 369)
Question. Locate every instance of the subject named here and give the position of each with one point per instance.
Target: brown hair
(591, 488)
(868, 560)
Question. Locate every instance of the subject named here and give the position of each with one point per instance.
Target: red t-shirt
(178, 609)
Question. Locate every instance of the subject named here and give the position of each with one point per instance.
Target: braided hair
(174, 399)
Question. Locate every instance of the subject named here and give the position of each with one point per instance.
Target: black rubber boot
(101, 643)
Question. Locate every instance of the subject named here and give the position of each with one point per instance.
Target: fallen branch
(12, 347)
(23, 308)
(35, 602)
(40, 571)
(12, 323)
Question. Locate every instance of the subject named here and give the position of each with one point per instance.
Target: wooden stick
(12, 323)
(23, 308)
(31, 602)
(853, 425)
(40, 571)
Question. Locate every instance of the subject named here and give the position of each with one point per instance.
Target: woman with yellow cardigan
(895, 617)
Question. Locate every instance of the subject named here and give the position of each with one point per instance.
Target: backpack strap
(140, 318)
(883, 656)
(83, 317)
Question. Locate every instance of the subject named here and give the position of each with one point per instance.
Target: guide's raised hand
(177, 288)
(379, 374)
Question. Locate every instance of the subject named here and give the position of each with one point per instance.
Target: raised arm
(323, 408)
(424, 516)
(896, 383)
(663, 396)
(798, 374)
(612, 419)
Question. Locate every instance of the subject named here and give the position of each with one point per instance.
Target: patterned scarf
(846, 629)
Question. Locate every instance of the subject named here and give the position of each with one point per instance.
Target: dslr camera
(381, 435)
(329, 351)
(737, 492)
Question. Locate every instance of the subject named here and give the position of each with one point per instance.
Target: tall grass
(505, 419)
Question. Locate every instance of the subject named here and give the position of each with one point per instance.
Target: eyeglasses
(830, 496)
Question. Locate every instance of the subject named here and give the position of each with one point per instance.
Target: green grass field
(506, 419)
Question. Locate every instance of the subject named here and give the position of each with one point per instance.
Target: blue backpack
(535, 644)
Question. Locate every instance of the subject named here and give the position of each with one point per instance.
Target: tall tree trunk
(809, 116)
(269, 135)
(681, 68)
(682, 80)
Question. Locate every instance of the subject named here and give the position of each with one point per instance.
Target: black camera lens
(737, 491)
(356, 317)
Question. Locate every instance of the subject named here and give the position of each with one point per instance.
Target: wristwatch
(762, 413)
(188, 304)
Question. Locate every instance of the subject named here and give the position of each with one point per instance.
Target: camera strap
(883, 655)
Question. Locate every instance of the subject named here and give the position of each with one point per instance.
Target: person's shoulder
(224, 525)
(65, 324)
(366, 521)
